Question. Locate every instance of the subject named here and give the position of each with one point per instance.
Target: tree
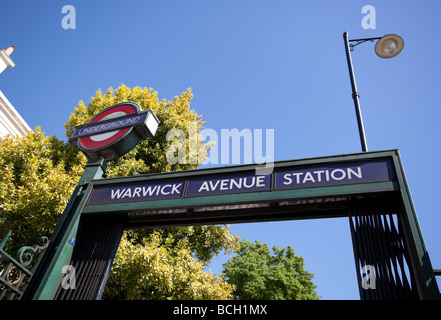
(258, 274)
(35, 185)
(150, 157)
(38, 175)
(157, 270)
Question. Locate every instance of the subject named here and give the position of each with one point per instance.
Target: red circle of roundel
(102, 140)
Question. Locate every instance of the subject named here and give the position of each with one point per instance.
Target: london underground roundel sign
(114, 131)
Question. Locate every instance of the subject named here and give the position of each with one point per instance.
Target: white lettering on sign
(229, 184)
(111, 125)
(143, 192)
(322, 175)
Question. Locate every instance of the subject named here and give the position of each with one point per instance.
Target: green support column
(48, 276)
(425, 276)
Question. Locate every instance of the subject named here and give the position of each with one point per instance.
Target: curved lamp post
(386, 47)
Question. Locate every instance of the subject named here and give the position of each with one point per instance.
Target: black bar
(365, 39)
(97, 242)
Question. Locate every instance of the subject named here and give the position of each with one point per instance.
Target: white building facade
(10, 120)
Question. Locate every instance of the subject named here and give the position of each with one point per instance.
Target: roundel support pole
(128, 131)
(48, 276)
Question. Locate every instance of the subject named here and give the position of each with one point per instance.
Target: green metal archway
(370, 188)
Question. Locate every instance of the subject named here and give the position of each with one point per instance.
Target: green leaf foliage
(259, 274)
(156, 270)
(38, 175)
(35, 185)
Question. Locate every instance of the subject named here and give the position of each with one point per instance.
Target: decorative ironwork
(16, 273)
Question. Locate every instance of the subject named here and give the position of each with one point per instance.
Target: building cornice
(10, 120)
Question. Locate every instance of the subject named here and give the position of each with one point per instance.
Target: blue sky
(251, 64)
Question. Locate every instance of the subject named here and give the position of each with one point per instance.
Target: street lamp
(386, 47)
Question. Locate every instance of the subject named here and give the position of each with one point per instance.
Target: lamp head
(389, 46)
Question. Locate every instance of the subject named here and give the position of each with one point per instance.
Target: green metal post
(48, 276)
